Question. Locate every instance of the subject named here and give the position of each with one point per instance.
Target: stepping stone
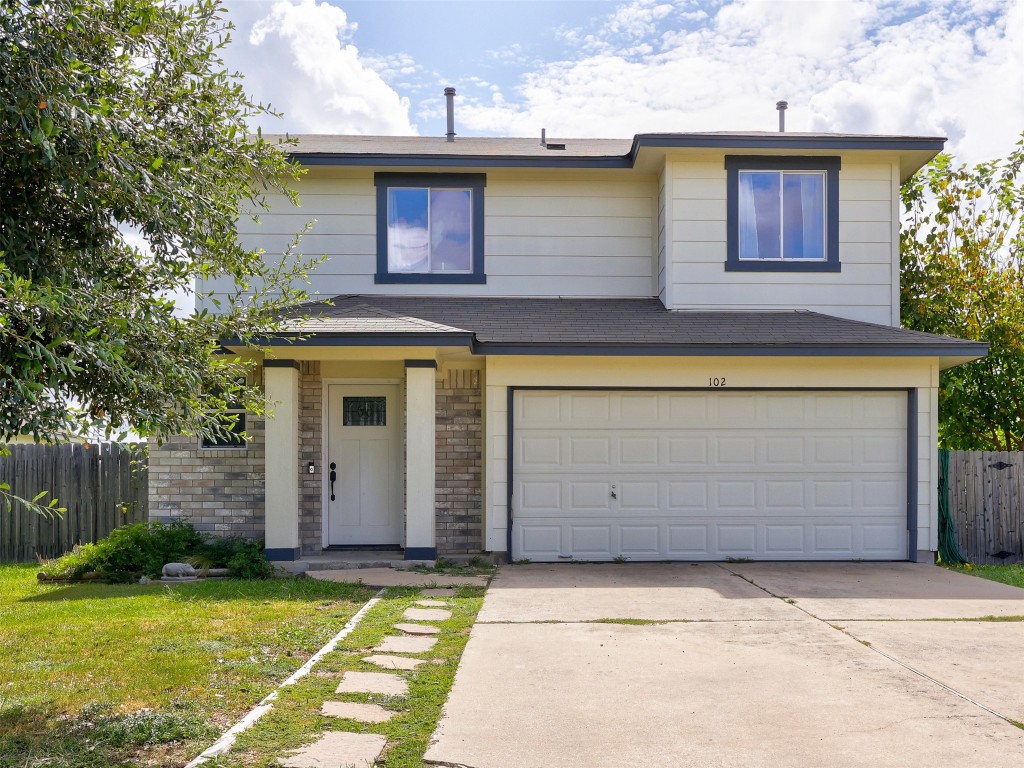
(338, 749)
(437, 592)
(417, 629)
(399, 644)
(426, 614)
(373, 682)
(352, 710)
(394, 662)
(432, 603)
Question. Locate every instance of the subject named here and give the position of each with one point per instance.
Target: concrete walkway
(347, 749)
(746, 665)
(393, 577)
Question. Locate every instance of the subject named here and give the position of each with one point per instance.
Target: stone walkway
(343, 749)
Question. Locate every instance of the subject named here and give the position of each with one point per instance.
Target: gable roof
(495, 325)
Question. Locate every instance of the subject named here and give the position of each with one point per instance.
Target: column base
(421, 553)
(277, 554)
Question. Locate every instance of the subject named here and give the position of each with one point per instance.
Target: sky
(587, 68)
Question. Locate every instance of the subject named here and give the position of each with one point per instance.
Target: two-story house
(681, 347)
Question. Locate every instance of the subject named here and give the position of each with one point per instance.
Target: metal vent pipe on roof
(781, 106)
(449, 95)
(543, 137)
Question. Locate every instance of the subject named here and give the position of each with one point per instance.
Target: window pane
(803, 205)
(407, 230)
(450, 222)
(759, 216)
(364, 412)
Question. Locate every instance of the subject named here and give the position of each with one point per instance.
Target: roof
(492, 325)
(485, 151)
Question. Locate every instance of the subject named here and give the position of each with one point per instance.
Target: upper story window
(430, 227)
(782, 213)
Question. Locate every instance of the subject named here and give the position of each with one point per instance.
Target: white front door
(364, 454)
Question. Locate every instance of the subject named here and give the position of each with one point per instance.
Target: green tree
(962, 259)
(119, 116)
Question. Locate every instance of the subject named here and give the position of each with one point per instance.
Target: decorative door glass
(364, 412)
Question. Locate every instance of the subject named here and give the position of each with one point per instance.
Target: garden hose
(949, 551)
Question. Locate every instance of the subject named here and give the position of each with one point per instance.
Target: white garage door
(695, 475)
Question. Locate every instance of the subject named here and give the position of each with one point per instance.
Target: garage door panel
(687, 540)
(539, 407)
(639, 540)
(589, 450)
(710, 475)
(640, 408)
(542, 541)
(539, 451)
(687, 495)
(785, 540)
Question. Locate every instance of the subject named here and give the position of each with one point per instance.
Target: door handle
(333, 477)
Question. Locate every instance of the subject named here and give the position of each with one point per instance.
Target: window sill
(794, 265)
(412, 278)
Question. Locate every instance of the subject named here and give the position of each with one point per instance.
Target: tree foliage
(962, 254)
(118, 116)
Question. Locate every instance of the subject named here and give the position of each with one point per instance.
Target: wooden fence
(986, 494)
(103, 486)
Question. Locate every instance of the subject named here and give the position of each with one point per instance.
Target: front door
(364, 501)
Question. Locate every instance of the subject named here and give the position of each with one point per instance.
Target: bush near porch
(97, 675)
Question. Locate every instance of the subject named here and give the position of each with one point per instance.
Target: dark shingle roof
(605, 326)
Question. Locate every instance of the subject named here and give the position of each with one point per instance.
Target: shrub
(249, 562)
(142, 549)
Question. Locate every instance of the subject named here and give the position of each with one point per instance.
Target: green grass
(295, 719)
(1007, 574)
(96, 675)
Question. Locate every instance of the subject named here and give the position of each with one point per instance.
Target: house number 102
(716, 381)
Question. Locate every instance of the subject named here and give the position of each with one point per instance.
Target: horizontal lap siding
(564, 234)
(863, 290)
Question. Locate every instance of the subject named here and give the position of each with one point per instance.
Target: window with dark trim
(233, 425)
(782, 214)
(430, 227)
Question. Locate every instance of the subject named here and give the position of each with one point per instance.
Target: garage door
(696, 475)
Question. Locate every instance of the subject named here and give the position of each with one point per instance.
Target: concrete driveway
(759, 664)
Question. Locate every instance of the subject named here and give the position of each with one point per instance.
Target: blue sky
(613, 69)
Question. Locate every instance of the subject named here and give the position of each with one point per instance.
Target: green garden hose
(949, 551)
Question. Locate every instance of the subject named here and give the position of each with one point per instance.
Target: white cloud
(300, 57)
(876, 66)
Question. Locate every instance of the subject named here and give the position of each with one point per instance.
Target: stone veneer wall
(311, 430)
(459, 462)
(217, 490)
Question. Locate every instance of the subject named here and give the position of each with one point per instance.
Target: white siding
(561, 233)
(868, 248)
(664, 235)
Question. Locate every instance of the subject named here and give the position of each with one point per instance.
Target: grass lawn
(1007, 574)
(296, 720)
(96, 675)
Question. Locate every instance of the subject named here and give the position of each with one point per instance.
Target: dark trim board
(421, 553)
(829, 165)
(766, 141)
(911, 427)
(912, 473)
(282, 554)
(475, 182)
(467, 340)
(281, 364)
